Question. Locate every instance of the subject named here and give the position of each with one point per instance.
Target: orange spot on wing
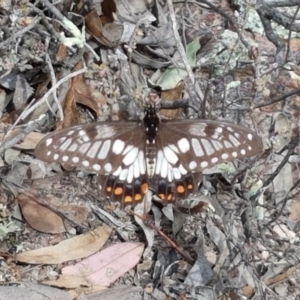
(190, 187)
(162, 196)
(118, 191)
(137, 197)
(170, 197)
(144, 187)
(108, 189)
(128, 199)
(180, 189)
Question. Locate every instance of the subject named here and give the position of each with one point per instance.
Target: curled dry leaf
(107, 266)
(74, 248)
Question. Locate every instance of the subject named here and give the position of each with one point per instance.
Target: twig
(54, 83)
(164, 236)
(35, 21)
(178, 42)
(6, 144)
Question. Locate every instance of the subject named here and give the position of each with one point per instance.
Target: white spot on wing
(49, 142)
(170, 155)
(243, 151)
(123, 174)
(170, 174)
(127, 149)
(85, 163)
(204, 164)
(130, 174)
(159, 160)
(94, 149)
(136, 168)
(118, 171)
(219, 129)
(207, 146)
(131, 156)
(197, 147)
(104, 150)
(224, 156)
(75, 159)
(174, 148)
(176, 173)
(183, 145)
(192, 165)
(249, 148)
(118, 147)
(81, 133)
(70, 132)
(56, 156)
(234, 154)
(234, 141)
(227, 144)
(218, 146)
(49, 153)
(108, 167)
(214, 160)
(65, 158)
(83, 148)
(65, 145)
(142, 162)
(96, 167)
(250, 136)
(182, 170)
(73, 147)
(164, 168)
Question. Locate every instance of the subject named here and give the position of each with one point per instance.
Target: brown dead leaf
(80, 92)
(61, 53)
(94, 27)
(107, 266)
(173, 94)
(46, 215)
(30, 141)
(39, 216)
(70, 109)
(74, 248)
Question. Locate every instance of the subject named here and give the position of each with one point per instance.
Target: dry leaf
(39, 216)
(295, 209)
(30, 141)
(107, 266)
(94, 27)
(74, 248)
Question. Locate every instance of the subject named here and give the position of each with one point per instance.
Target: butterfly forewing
(97, 147)
(196, 145)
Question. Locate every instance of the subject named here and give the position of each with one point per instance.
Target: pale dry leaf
(107, 266)
(30, 141)
(74, 248)
(295, 209)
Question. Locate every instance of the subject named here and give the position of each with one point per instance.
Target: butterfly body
(130, 157)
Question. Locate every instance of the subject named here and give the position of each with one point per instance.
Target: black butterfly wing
(185, 148)
(102, 147)
(115, 151)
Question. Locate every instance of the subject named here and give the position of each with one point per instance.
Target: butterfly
(166, 156)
